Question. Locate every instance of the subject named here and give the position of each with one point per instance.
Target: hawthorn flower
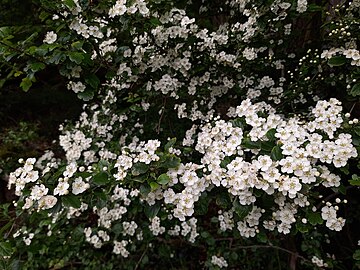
(47, 202)
(50, 37)
(62, 188)
(79, 186)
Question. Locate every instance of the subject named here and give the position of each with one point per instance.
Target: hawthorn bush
(215, 134)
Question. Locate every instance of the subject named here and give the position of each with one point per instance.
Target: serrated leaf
(145, 189)
(355, 90)
(25, 84)
(241, 210)
(77, 45)
(337, 61)
(314, 218)
(71, 200)
(57, 57)
(76, 57)
(262, 237)
(163, 179)
(37, 66)
(223, 200)
(169, 144)
(69, 3)
(356, 255)
(355, 180)
(101, 178)
(92, 80)
(171, 161)
(238, 122)
(357, 130)
(139, 168)
(154, 185)
(247, 143)
(271, 134)
(276, 153)
(151, 210)
(267, 146)
(86, 95)
(302, 227)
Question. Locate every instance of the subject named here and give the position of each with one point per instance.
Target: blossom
(79, 186)
(50, 37)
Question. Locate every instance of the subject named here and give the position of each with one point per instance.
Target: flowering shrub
(209, 127)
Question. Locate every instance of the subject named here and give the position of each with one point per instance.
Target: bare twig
(142, 256)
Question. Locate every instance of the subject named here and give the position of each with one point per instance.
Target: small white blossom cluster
(328, 213)
(301, 6)
(155, 226)
(189, 227)
(226, 220)
(249, 226)
(74, 143)
(318, 262)
(120, 8)
(97, 239)
(26, 176)
(219, 261)
(77, 87)
(120, 248)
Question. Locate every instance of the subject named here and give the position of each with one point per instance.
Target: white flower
(47, 202)
(50, 37)
(62, 188)
(79, 186)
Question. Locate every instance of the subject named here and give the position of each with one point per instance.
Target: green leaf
(57, 57)
(152, 210)
(355, 90)
(276, 153)
(267, 146)
(223, 200)
(155, 21)
(301, 227)
(154, 186)
(69, 3)
(145, 189)
(247, 143)
(101, 178)
(139, 168)
(238, 122)
(356, 255)
(355, 180)
(163, 179)
(86, 95)
(5, 249)
(37, 66)
(241, 210)
(169, 144)
(25, 84)
(337, 61)
(171, 161)
(314, 218)
(271, 134)
(262, 237)
(71, 200)
(76, 57)
(77, 45)
(92, 80)
(357, 130)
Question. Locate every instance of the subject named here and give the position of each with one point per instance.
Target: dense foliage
(215, 134)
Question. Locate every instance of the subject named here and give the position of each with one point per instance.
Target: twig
(142, 256)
